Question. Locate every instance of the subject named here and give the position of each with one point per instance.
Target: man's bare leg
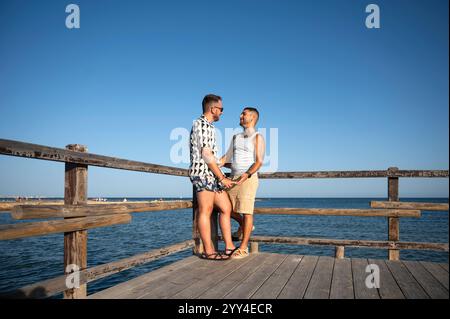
(205, 200)
(248, 227)
(238, 217)
(222, 202)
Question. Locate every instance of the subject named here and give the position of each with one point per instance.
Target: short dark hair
(254, 110)
(208, 99)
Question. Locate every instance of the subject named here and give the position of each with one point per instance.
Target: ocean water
(29, 260)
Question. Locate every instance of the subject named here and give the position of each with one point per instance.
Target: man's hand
(227, 183)
(242, 179)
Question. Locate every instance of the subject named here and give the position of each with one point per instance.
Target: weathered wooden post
(254, 247)
(393, 222)
(75, 243)
(339, 252)
(198, 244)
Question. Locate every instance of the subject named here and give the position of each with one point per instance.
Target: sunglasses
(220, 108)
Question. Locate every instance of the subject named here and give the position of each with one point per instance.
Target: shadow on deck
(279, 276)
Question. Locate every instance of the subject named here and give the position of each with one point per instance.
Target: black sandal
(230, 252)
(216, 256)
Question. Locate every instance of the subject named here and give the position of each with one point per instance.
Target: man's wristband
(248, 173)
(222, 178)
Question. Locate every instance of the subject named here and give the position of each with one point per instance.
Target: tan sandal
(240, 253)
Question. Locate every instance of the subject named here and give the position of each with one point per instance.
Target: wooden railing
(77, 215)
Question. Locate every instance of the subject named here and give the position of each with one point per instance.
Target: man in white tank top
(245, 157)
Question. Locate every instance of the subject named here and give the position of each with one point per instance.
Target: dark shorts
(206, 183)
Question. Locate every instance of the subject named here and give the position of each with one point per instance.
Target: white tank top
(243, 153)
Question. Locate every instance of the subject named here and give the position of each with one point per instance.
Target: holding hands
(226, 182)
(243, 178)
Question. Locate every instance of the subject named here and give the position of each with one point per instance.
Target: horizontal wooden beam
(9, 206)
(409, 205)
(323, 174)
(356, 174)
(50, 287)
(21, 149)
(338, 212)
(65, 211)
(350, 243)
(21, 230)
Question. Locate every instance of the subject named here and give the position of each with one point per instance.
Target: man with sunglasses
(208, 180)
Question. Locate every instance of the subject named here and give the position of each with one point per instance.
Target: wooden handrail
(409, 205)
(50, 287)
(356, 174)
(21, 149)
(338, 212)
(65, 211)
(22, 230)
(350, 243)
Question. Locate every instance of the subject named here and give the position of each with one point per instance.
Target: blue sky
(343, 97)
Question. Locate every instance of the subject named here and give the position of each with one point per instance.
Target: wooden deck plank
(437, 271)
(275, 283)
(342, 280)
(296, 286)
(320, 283)
(389, 288)
(181, 280)
(252, 283)
(125, 288)
(147, 283)
(221, 289)
(268, 275)
(410, 287)
(359, 280)
(146, 286)
(199, 287)
(430, 284)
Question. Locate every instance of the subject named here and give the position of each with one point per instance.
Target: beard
(243, 123)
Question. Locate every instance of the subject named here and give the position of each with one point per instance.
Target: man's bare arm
(225, 160)
(210, 160)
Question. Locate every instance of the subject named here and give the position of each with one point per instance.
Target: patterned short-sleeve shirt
(203, 135)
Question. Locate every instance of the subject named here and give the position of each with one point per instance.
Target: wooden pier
(261, 275)
(277, 276)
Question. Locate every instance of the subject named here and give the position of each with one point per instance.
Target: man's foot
(230, 251)
(214, 256)
(240, 253)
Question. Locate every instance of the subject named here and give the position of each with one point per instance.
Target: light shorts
(242, 196)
